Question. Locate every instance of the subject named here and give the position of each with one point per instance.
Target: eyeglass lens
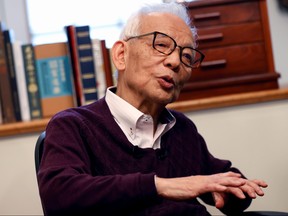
(166, 45)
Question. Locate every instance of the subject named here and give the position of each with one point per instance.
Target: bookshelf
(183, 106)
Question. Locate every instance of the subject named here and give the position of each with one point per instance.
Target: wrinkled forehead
(169, 24)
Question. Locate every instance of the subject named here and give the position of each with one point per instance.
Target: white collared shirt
(137, 126)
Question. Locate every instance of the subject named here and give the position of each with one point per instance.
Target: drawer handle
(213, 15)
(215, 63)
(217, 36)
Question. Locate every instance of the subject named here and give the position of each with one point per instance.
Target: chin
(171, 99)
(167, 97)
(174, 97)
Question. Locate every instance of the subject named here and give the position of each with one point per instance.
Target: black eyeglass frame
(196, 63)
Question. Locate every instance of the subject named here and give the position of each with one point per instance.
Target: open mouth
(169, 80)
(166, 82)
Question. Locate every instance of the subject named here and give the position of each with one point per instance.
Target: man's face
(150, 76)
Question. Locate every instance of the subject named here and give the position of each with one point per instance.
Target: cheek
(186, 76)
(143, 65)
(137, 59)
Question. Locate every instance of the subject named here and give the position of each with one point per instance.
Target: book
(31, 81)
(87, 68)
(114, 72)
(21, 81)
(1, 118)
(107, 64)
(99, 67)
(8, 40)
(55, 78)
(75, 64)
(7, 106)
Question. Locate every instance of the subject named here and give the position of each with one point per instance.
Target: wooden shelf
(182, 106)
(23, 127)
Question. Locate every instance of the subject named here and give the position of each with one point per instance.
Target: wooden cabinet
(234, 35)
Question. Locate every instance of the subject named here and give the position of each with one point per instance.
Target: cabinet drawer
(225, 14)
(231, 61)
(229, 35)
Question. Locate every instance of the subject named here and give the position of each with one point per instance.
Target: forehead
(169, 24)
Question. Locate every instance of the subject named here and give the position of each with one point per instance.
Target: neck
(144, 105)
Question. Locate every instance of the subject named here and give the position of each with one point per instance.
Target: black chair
(38, 155)
(39, 150)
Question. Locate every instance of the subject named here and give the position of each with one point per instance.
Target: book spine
(85, 53)
(12, 75)
(107, 64)
(21, 81)
(114, 70)
(1, 114)
(7, 107)
(75, 64)
(99, 67)
(32, 81)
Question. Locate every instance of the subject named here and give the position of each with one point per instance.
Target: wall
(254, 137)
(18, 184)
(279, 34)
(15, 17)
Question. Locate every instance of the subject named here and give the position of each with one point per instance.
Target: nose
(173, 60)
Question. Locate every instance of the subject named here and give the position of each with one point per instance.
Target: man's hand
(218, 184)
(251, 187)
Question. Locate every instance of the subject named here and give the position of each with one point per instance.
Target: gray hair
(134, 21)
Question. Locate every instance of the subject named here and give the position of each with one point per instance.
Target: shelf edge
(23, 127)
(230, 100)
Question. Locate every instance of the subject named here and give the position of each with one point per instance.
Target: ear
(118, 57)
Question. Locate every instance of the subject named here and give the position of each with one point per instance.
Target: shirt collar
(120, 108)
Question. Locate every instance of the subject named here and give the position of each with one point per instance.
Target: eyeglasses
(165, 44)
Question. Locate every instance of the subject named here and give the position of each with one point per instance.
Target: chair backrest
(39, 150)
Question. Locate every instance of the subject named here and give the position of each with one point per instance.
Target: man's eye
(187, 57)
(163, 45)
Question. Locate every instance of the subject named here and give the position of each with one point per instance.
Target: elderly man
(127, 154)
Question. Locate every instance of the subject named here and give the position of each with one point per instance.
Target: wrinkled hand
(251, 187)
(218, 184)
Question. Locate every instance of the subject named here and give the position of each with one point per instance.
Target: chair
(38, 155)
(39, 150)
